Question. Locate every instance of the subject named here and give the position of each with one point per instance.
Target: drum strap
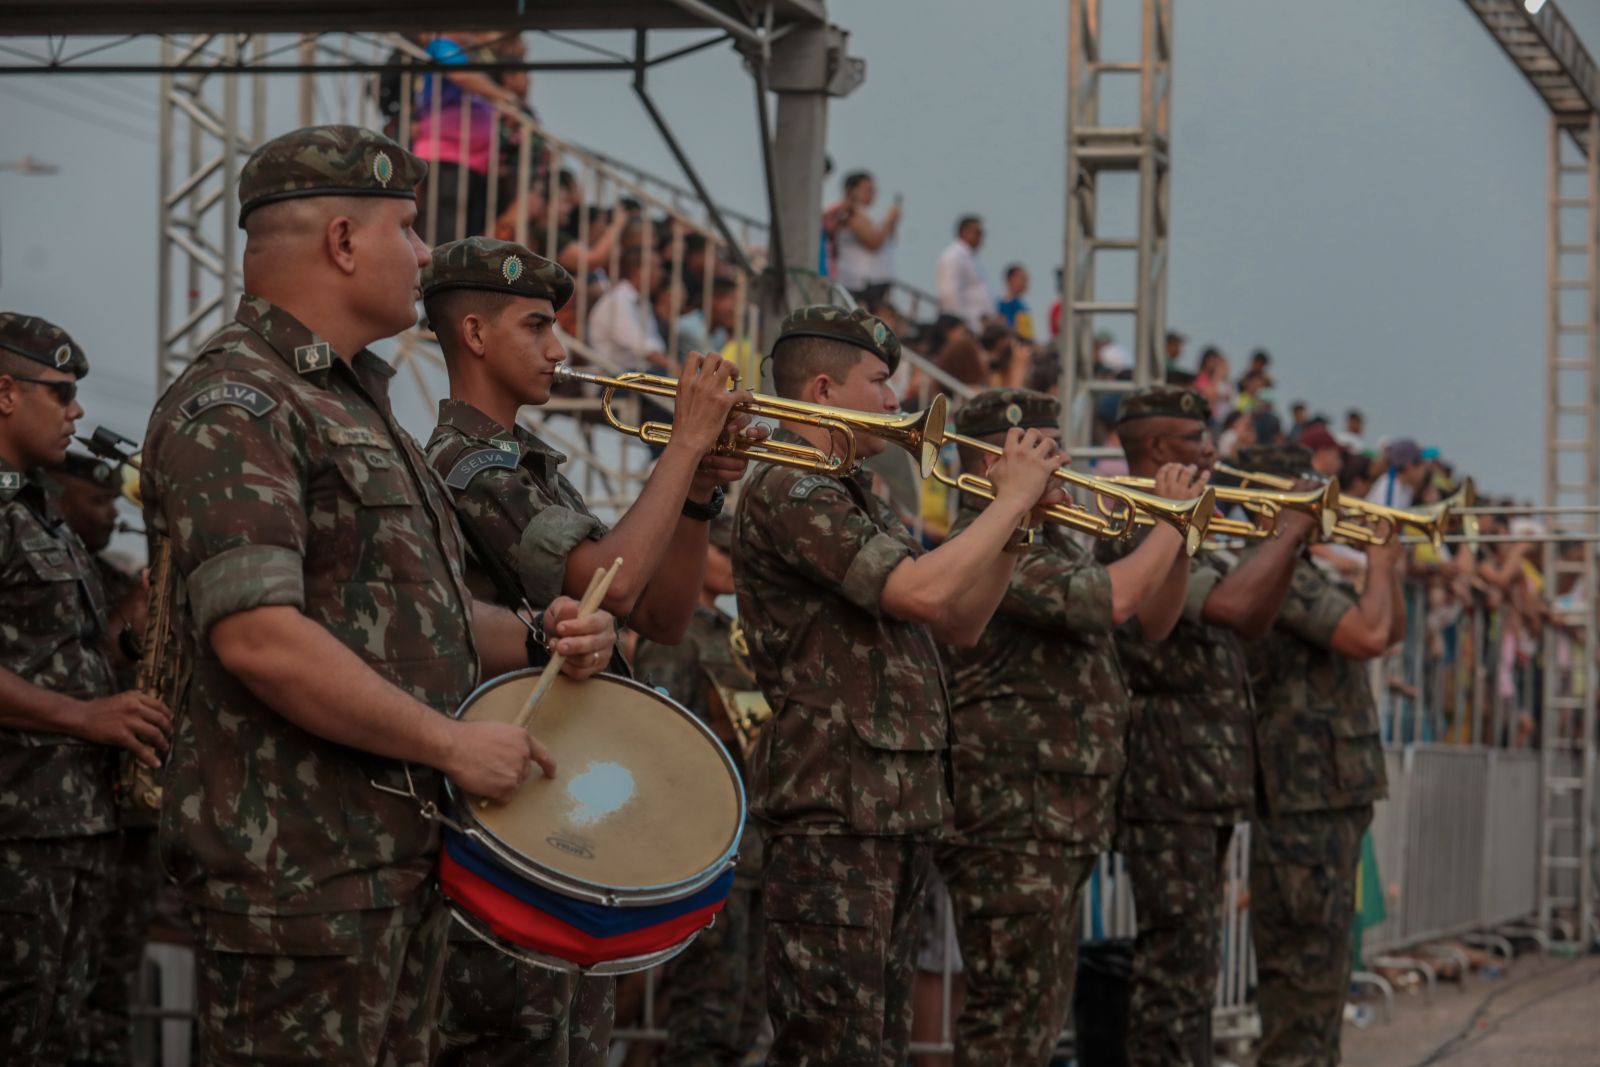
(428, 809)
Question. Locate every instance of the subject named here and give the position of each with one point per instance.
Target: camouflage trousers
(498, 1012)
(1302, 911)
(106, 1033)
(1016, 919)
(54, 894)
(842, 916)
(717, 995)
(353, 989)
(1176, 870)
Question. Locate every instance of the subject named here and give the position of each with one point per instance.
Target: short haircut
(799, 359)
(721, 286)
(855, 178)
(632, 259)
(447, 307)
(1012, 269)
(965, 220)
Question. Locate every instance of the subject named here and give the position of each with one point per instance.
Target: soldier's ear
(9, 394)
(471, 329)
(339, 241)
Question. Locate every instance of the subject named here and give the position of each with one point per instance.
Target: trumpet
(918, 432)
(1431, 521)
(1191, 518)
(1321, 504)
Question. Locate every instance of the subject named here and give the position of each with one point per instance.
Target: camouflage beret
(998, 410)
(43, 342)
(91, 469)
(502, 266)
(1288, 461)
(721, 533)
(834, 323)
(1164, 401)
(327, 161)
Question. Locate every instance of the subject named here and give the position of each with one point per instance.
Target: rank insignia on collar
(10, 480)
(308, 358)
(509, 447)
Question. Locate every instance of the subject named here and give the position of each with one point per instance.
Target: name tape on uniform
(473, 463)
(358, 435)
(231, 394)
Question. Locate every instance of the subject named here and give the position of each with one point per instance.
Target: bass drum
(616, 863)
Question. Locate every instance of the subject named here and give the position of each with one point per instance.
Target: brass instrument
(744, 705)
(920, 433)
(1321, 504)
(1191, 518)
(1385, 521)
(161, 665)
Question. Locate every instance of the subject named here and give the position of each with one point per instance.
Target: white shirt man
(623, 331)
(962, 284)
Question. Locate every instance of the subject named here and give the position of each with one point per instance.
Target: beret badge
(511, 268)
(62, 354)
(382, 168)
(1014, 414)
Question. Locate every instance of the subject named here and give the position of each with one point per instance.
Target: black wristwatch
(707, 511)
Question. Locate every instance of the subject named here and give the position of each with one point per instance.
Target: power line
(69, 111)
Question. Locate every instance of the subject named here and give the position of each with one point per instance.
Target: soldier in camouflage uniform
(1319, 769)
(716, 990)
(1038, 710)
(841, 608)
(60, 712)
(323, 603)
(493, 306)
(1188, 781)
(90, 488)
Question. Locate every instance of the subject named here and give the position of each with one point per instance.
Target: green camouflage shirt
(1189, 741)
(52, 619)
(860, 725)
(513, 504)
(1038, 707)
(682, 669)
(282, 478)
(1316, 723)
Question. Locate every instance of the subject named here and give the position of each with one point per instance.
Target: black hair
(1012, 268)
(964, 220)
(855, 178)
(799, 359)
(447, 307)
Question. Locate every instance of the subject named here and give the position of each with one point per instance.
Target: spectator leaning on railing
(863, 250)
(452, 144)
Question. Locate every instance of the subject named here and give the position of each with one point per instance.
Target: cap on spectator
(90, 469)
(499, 266)
(327, 161)
(1430, 453)
(1164, 401)
(1289, 461)
(43, 342)
(1317, 438)
(998, 410)
(834, 323)
(1403, 452)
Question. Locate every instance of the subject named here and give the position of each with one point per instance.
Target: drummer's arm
(307, 675)
(502, 639)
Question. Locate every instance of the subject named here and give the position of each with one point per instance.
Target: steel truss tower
(1544, 46)
(221, 117)
(1095, 262)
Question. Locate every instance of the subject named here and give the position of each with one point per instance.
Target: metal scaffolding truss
(1092, 257)
(218, 118)
(1545, 48)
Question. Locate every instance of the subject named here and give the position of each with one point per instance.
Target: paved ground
(1543, 1013)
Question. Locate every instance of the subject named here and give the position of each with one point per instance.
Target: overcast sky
(1357, 187)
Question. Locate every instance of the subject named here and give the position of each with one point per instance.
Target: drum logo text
(571, 846)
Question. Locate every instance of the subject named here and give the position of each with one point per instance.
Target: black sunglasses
(66, 392)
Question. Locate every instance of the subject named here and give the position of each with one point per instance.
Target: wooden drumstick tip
(593, 596)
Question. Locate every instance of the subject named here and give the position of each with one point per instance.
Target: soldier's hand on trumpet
(1022, 474)
(704, 403)
(1296, 524)
(717, 471)
(1176, 481)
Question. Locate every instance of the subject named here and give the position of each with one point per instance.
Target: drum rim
(584, 889)
(543, 960)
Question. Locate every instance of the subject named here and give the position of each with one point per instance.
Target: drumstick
(591, 600)
(592, 596)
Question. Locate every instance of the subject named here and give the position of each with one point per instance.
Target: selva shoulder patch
(233, 394)
(473, 463)
(808, 485)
